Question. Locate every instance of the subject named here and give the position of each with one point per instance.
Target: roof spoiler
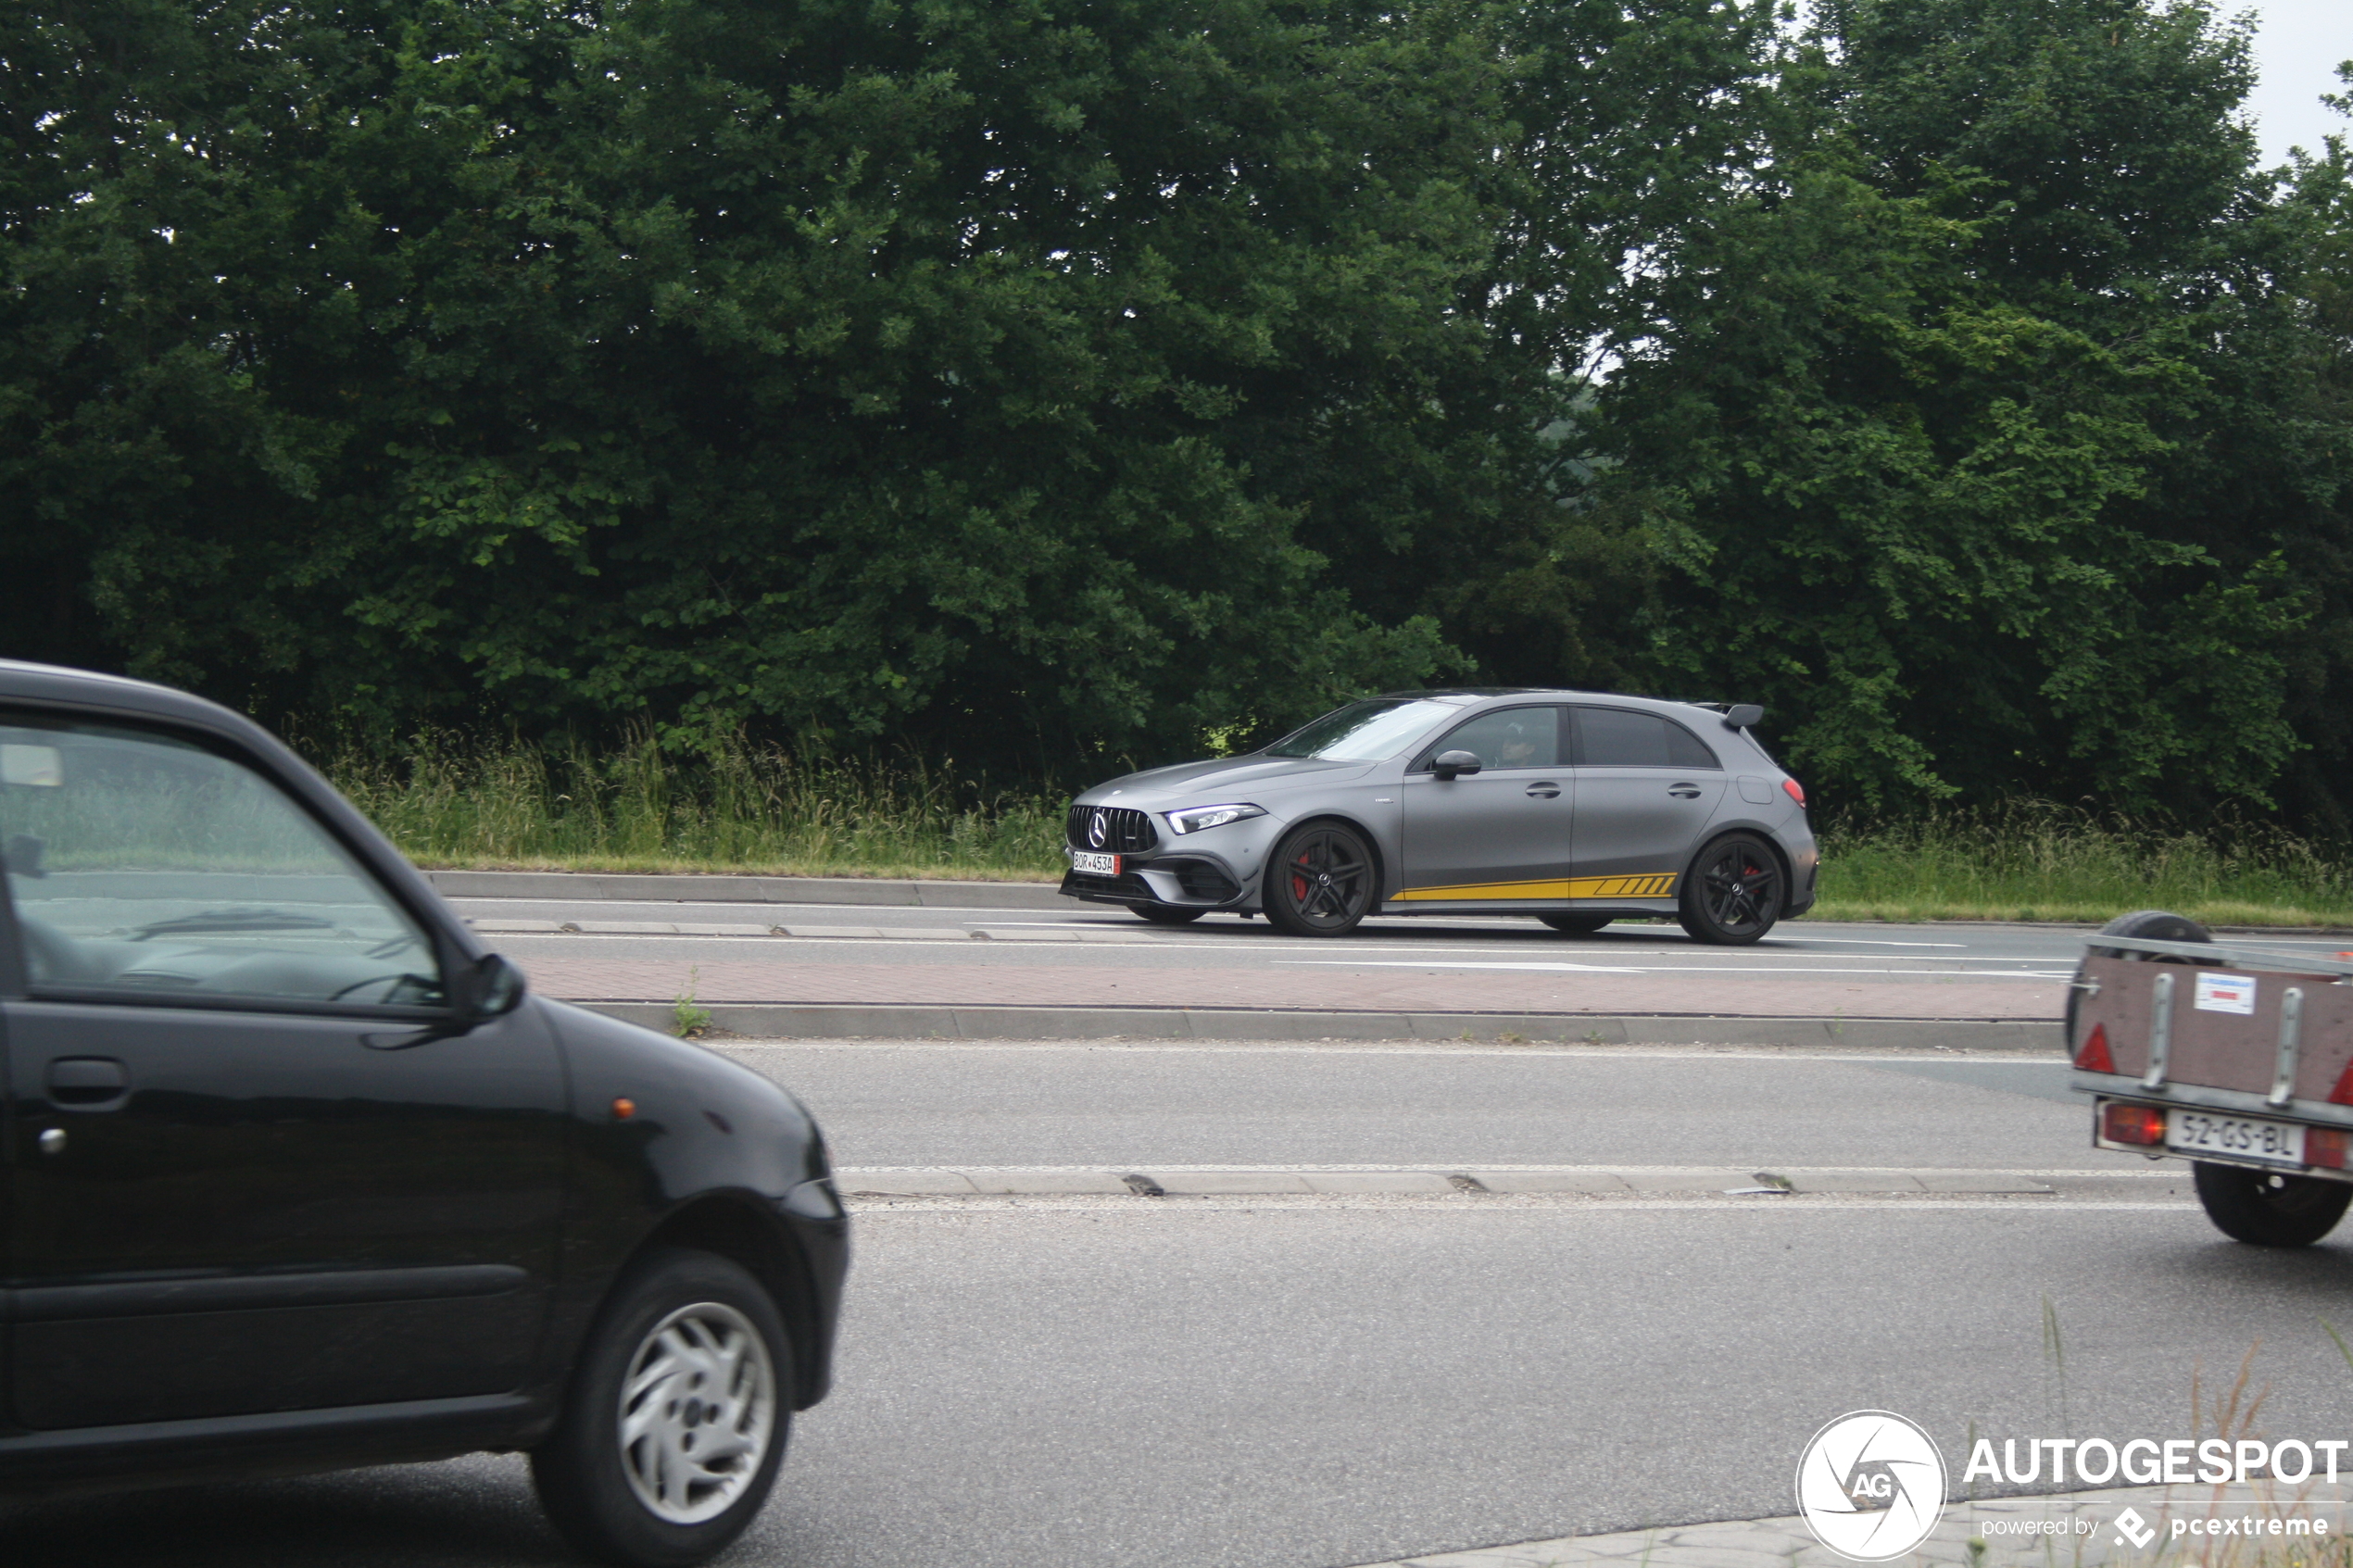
(1742, 715)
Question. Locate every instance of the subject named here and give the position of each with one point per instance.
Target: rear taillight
(2327, 1146)
(1794, 790)
(2143, 1124)
(2095, 1056)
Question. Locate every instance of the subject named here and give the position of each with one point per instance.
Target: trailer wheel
(2263, 1209)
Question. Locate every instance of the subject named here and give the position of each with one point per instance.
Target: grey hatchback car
(1576, 808)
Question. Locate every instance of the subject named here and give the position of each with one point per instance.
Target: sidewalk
(2084, 1531)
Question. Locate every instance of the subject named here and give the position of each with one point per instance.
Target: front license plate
(2240, 1137)
(1093, 864)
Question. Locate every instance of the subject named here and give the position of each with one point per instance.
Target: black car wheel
(1320, 882)
(1733, 893)
(1579, 925)
(1166, 914)
(676, 1417)
(2263, 1209)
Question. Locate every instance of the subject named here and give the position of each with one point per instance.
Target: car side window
(1619, 738)
(1509, 737)
(149, 868)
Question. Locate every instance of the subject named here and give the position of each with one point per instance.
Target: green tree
(1960, 445)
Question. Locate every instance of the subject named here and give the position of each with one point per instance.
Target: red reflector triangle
(2094, 1056)
(2343, 1093)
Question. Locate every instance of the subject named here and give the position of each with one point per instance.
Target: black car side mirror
(492, 989)
(1449, 763)
(1741, 715)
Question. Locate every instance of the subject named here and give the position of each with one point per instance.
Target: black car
(300, 1177)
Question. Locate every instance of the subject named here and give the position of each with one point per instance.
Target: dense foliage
(1038, 382)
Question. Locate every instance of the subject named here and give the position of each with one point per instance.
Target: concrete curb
(819, 1020)
(750, 889)
(2077, 1528)
(1185, 1181)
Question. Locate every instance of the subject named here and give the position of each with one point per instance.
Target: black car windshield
(1365, 732)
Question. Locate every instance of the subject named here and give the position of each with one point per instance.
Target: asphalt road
(1091, 956)
(1314, 1382)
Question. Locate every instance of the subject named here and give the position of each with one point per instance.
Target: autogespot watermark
(1871, 1485)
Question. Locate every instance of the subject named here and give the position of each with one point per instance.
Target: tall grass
(2036, 861)
(738, 809)
(752, 809)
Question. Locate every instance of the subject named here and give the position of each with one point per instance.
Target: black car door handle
(1543, 791)
(88, 1081)
(1684, 791)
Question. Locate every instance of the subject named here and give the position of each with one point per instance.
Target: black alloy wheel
(1733, 893)
(1166, 914)
(2264, 1210)
(1576, 926)
(1320, 882)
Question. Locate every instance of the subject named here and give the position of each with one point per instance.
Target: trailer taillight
(2131, 1124)
(2330, 1146)
(2095, 1056)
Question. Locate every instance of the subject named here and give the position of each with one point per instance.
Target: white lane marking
(1671, 969)
(1143, 940)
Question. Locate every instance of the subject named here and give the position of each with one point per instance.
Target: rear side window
(1511, 737)
(1619, 738)
(149, 868)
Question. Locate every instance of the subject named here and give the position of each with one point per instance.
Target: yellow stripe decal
(1650, 884)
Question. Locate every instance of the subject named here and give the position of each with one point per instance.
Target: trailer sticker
(2226, 993)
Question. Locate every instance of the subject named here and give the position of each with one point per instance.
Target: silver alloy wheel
(697, 1413)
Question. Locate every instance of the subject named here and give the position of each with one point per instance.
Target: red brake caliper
(1298, 883)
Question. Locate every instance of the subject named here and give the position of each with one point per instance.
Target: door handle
(1543, 791)
(87, 1083)
(1684, 791)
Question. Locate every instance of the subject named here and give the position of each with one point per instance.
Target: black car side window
(1510, 737)
(145, 867)
(1618, 737)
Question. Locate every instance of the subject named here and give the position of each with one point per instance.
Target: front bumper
(1183, 881)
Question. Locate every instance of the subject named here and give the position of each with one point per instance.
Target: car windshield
(1365, 732)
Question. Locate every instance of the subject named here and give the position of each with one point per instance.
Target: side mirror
(490, 989)
(1449, 763)
(1741, 715)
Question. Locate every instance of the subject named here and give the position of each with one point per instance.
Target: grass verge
(752, 810)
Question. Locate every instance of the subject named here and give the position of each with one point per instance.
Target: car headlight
(1193, 819)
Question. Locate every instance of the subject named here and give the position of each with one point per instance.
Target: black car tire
(2263, 1209)
(684, 1306)
(1166, 914)
(1577, 926)
(1733, 893)
(2158, 925)
(1320, 881)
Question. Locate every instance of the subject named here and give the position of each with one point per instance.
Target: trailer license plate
(1093, 864)
(2236, 1138)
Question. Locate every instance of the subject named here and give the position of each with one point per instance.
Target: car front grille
(1125, 829)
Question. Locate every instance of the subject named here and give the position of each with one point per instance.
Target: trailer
(2233, 1056)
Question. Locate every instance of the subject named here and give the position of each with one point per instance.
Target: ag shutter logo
(1870, 1485)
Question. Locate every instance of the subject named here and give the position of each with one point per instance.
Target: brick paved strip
(2086, 1535)
(1334, 990)
(819, 1020)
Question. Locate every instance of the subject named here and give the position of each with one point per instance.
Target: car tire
(2158, 925)
(1734, 891)
(618, 1476)
(2263, 1209)
(1320, 881)
(1576, 926)
(1165, 914)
